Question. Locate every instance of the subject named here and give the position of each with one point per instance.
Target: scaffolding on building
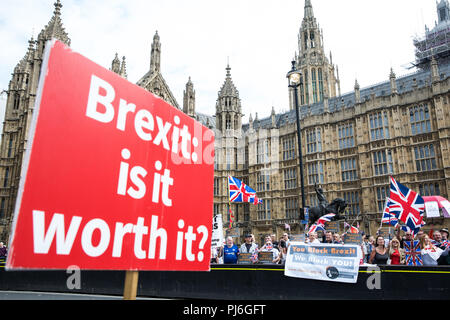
(436, 43)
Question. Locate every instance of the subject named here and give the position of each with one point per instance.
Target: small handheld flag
(316, 227)
(351, 228)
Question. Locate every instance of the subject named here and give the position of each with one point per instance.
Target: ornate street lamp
(294, 81)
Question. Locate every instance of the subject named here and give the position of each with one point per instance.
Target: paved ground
(29, 295)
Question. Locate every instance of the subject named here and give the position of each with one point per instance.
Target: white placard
(217, 231)
(446, 206)
(432, 209)
(328, 262)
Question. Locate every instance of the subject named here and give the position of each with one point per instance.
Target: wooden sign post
(131, 284)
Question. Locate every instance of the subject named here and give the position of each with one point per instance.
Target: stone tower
(153, 80)
(189, 99)
(19, 110)
(155, 56)
(443, 11)
(119, 67)
(228, 106)
(318, 73)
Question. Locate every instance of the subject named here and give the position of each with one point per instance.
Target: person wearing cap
(248, 246)
(444, 233)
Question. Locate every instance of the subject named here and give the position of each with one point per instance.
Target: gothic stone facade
(351, 143)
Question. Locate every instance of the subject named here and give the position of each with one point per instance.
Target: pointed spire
(189, 99)
(308, 9)
(155, 56)
(392, 79)
(123, 68)
(228, 88)
(357, 92)
(55, 29)
(31, 43)
(58, 7)
(392, 74)
(156, 37)
(273, 117)
(31, 48)
(115, 65)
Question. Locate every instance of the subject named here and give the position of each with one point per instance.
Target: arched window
(306, 87)
(319, 71)
(313, 42)
(228, 122)
(10, 147)
(302, 91)
(219, 122)
(16, 101)
(314, 84)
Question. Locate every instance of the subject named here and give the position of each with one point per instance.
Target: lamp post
(294, 81)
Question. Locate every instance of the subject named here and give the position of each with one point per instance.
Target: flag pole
(382, 215)
(229, 201)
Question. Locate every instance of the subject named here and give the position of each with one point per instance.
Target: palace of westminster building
(351, 143)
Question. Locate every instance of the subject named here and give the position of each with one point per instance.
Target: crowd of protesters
(229, 253)
(433, 251)
(375, 249)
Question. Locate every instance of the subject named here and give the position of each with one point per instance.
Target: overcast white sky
(259, 37)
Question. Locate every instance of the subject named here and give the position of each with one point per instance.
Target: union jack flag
(412, 253)
(389, 217)
(446, 244)
(325, 218)
(316, 227)
(254, 257)
(240, 192)
(406, 205)
(352, 228)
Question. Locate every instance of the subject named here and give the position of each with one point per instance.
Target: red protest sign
(114, 178)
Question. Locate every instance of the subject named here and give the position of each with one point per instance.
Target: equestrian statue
(337, 206)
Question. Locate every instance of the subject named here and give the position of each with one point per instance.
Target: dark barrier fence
(242, 282)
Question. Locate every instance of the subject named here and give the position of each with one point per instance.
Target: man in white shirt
(312, 238)
(268, 247)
